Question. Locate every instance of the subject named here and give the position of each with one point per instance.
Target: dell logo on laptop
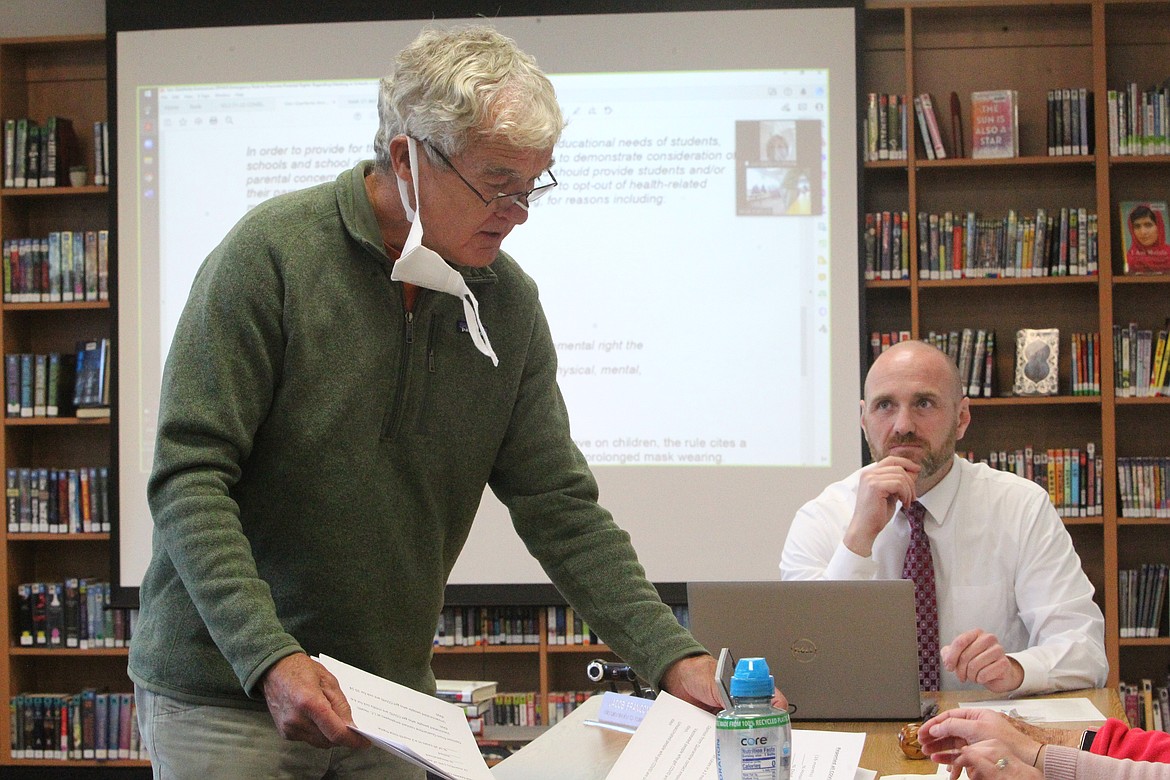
(804, 650)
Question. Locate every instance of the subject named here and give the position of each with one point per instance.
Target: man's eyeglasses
(521, 199)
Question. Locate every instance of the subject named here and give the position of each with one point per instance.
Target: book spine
(99, 170)
(24, 611)
(12, 503)
(871, 126)
(105, 152)
(1051, 116)
(923, 128)
(870, 233)
(40, 615)
(55, 614)
(40, 384)
(91, 265)
(49, 168)
(12, 379)
(975, 385)
(103, 265)
(83, 501)
(940, 151)
(125, 713)
(53, 387)
(103, 497)
(10, 152)
(65, 251)
(20, 153)
(1111, 109)
(27, 381)
(33, 156)
(42, 498)
(1085, 105)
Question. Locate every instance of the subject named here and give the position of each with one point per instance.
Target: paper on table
(940, 772)
(1042, 710)
(423, 730)
(676, 741)
(821, 755)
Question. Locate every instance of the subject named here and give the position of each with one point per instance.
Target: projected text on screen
(683, 260)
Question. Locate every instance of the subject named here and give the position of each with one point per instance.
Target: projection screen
(698, 262)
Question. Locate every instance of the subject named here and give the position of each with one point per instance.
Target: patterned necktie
(919, 567)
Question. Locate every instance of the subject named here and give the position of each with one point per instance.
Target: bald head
(922, 357)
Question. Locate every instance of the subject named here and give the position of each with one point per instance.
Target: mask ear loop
(412, 150)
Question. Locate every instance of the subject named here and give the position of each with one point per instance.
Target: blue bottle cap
(752, 678)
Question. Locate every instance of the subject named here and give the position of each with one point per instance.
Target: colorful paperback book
(994, 124)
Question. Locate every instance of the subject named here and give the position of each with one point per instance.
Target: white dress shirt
(1003, 562)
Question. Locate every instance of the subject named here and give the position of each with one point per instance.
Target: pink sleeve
(1065, 763)
(1117, 740)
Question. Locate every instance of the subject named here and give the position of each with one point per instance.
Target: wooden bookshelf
(40, 77)
(954, 46)
(542, 667)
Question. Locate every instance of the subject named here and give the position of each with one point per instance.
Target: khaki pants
(202, 742)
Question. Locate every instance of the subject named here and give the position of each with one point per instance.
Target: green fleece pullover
(321, 454)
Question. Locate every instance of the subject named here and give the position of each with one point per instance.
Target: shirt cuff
(848, 565)
(1035, 675)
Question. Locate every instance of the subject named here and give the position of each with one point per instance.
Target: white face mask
(423, 267)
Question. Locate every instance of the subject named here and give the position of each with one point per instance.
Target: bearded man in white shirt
(1015, 610)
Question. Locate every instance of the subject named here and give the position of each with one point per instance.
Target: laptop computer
(844, 650)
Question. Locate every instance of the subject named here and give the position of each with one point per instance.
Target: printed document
(675, 741)
(426, 731)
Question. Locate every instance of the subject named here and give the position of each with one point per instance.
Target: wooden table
(882, 752)
(573, 750)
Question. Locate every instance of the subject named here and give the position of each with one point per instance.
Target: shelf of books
(1017, 169)
(62, 670)
(531, 666)
(533, 657)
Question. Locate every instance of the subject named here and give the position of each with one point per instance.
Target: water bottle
(753, 738)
